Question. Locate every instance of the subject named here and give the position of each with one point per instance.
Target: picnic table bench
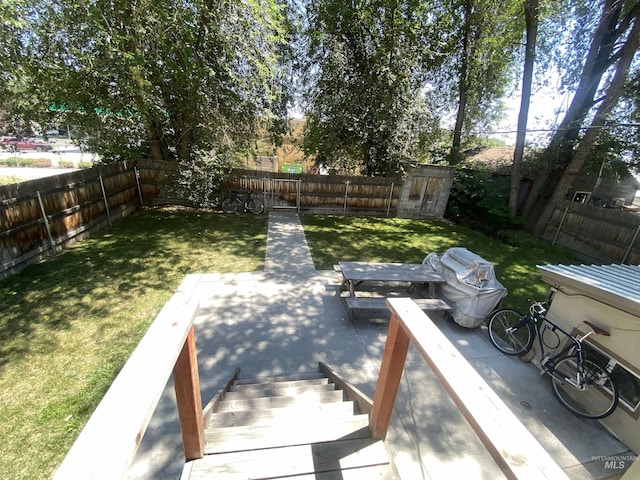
(355, 304)
(355, 273)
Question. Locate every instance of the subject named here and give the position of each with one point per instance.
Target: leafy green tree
(18, 107)
(168, 79)
(481, 38)
(365, 108)
(479, 199)
(607, 70)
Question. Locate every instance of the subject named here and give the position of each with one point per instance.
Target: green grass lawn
(332, 239)
(69, 324)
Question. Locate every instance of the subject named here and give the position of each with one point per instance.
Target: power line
(541, 130)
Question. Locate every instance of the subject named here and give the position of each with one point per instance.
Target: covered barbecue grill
(471, 286)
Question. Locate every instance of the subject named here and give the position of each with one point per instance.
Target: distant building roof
(615, 285)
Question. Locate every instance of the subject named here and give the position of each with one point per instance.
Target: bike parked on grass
(247, 202)
(581, 385)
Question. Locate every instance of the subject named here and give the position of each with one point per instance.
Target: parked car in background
(13, 144)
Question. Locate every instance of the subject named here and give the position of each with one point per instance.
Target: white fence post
(106, 200)
(346, 196)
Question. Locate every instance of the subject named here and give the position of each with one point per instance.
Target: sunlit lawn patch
(69, 324)
(9, 179)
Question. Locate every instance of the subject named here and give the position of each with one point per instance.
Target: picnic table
(355, 273)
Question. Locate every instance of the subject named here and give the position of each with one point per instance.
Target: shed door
(431, 195)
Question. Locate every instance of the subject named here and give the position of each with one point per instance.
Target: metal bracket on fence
(633, 240)
(106, 200)
(390, 198)
(265, 193)
(52, 242)
(564, 215)
(346, 196)
(137, 175)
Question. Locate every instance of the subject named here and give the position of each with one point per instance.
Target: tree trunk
(157, 143)
(184, 146)
(615, 90)
(560, 150)
(455, 156)
(531, 19)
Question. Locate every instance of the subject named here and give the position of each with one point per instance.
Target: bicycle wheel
(256, 206)
(229, 205)
(596, 397)
(516, 342)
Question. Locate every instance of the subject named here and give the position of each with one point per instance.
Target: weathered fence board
(596, 234)
(38, 217)
(334, 194)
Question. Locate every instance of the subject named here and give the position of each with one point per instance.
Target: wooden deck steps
(300, 426)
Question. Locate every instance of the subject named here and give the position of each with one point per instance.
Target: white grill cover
(471, 286)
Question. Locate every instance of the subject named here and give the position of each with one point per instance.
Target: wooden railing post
(395, 353)
(187, 386)
(514, 449)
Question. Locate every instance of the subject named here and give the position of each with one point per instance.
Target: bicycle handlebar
(538, 307)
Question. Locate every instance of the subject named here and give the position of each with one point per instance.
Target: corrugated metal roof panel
(616, 285)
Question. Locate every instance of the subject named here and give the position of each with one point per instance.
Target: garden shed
(425, 191)
(608, 296)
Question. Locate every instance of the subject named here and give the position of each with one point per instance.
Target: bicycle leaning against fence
(248, 202)
(580, 385)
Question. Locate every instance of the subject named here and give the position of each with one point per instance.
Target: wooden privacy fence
(322, 194)
(39, 217)
(596, 234)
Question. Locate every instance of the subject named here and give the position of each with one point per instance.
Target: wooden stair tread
(333, 410)
(264, 383)
(276, 390)
(318, 458)
(382, 472)
(309, 398)
(232, 439)
(379, 472)
(298, 426)
(291, 377)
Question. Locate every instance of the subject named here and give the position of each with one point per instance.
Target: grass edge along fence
(39, 217)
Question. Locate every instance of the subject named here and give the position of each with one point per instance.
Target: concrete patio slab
(290, 316)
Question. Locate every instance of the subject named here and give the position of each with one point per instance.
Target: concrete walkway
(288, 317)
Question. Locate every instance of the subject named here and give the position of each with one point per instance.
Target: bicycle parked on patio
(581, 385)
(247, 202)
